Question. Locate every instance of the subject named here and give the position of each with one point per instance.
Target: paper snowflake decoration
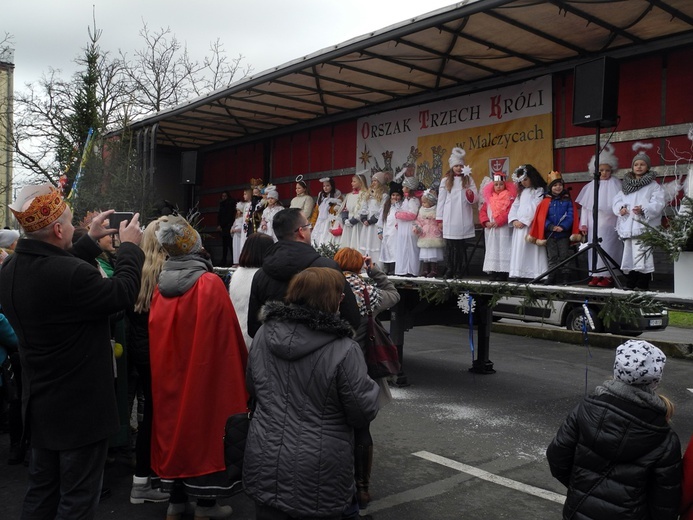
(466, 303)
(466, 170)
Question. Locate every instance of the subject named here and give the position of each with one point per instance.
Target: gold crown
(555, 176)
(44, 209)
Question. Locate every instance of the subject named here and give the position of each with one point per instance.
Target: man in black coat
(292, 254)
(225, 218)
(59, 305)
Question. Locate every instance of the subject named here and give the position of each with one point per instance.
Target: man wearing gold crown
(59, 305)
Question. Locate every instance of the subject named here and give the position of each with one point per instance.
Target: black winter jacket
(285, 259)
(59, 306)
(618, 457)
(311, 389)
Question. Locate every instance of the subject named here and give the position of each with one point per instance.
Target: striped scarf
(631, 183)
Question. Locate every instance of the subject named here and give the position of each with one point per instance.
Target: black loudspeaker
(188, 168)
(595, 93)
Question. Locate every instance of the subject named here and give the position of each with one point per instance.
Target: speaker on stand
(595, 104)
(189, 176)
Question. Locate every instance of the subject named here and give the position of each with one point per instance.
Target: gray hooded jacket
(309, 380)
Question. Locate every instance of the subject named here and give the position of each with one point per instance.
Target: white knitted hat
(456, 157)
(639, 363)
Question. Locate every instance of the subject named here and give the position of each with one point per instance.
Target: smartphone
(114, 219)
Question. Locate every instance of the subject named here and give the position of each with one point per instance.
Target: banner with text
(499, 129)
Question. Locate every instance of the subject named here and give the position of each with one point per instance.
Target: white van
(569, 314)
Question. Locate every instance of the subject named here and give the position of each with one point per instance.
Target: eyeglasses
(306, 226)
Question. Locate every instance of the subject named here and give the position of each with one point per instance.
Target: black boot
(643, 281)
(632, 279)
(363, 461)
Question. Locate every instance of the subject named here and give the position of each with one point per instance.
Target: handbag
(337, 231)
(235, 435)
(381, 354)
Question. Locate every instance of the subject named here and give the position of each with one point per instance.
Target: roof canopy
(470, 46)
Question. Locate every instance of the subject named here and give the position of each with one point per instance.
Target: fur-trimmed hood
(294, 331)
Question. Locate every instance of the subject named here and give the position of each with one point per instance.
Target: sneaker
(215, 511)
(595, 281)
(142, 492)
(605, 282)
(175, 511)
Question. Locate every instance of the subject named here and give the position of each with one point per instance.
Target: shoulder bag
(382, 358)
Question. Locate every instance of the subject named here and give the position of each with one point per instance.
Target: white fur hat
(456, 157)
(274, 194)
(606, 156)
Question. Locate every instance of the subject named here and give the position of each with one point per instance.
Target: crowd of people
(285, 342)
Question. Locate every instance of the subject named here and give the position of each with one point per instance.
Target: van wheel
(575, 317)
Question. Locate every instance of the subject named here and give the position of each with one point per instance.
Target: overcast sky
(268, 33)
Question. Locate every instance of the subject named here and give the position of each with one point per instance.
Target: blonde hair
(378, 191)
(669, 406)
(450, 180)
(154, 258)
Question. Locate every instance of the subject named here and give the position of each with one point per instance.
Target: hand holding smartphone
(114, 220)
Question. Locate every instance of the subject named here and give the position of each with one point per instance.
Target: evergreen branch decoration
(677, 236)
(628, 309)
(327, 249)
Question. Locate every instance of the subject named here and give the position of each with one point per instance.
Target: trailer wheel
(575, 317)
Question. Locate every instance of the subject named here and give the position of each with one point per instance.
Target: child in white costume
(237, 231)
(640, 201)
(355, 203)
(430, 238)
(406, 249)
(327, 222)
(247, 196)
(273, 207)
(387, 228)
(377, 195)
(303, 199)
(527, 260)
(609, 187)
(455, 212)
(499, 196)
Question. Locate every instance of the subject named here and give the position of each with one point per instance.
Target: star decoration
(365, 156)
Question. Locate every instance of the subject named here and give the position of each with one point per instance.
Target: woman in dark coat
(309, 381)
(616, 452)
(382, 295)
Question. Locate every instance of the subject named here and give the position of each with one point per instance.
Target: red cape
(198, 360)
(536, 233)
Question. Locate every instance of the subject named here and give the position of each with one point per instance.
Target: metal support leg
(399, 318)
(484, 318)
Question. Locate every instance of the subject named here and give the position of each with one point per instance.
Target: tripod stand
(594, 245)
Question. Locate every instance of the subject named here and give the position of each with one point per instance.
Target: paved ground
(454, 444)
